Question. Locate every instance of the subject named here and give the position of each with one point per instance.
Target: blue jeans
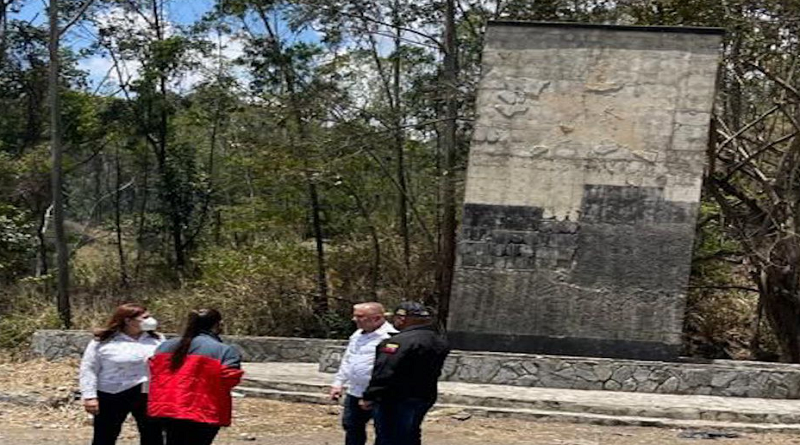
(399, 422)
(354, 421)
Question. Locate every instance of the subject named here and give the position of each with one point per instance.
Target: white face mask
(148, 324)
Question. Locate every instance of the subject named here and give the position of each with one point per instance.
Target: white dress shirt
(116, 364)
(355, 370)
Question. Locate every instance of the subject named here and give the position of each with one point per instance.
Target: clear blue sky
(181, 12)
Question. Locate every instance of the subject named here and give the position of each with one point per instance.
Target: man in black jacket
(404, 379)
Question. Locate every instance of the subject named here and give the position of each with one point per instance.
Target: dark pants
(354, 421)
(398, 422)
(114, 409)
(186, 432)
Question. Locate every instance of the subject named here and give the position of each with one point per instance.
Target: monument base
(583, 347)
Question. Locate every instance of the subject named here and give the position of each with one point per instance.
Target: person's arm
(389, 359)
(340, 379)
(89, 370)
(231, 368)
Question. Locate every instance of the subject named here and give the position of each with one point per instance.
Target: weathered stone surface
(630, 385)
(722, 378)
(718, 378)
(583, 186)
(621, 373)
(669, 386)
(603, 372)
(53, 344)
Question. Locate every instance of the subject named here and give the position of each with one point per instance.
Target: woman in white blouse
(114, 375)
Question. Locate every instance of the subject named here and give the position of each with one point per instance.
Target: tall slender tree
(285, 61)
(62, 261)
(449, 86)
(57, 150)
(5, 6)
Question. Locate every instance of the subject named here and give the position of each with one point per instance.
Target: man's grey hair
(372, 307)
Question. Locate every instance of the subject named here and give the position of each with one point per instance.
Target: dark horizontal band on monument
(566, 25)
(584, 347)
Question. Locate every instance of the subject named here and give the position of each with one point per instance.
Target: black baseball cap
(412, 309)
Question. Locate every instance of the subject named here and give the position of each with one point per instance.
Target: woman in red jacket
(191, 378)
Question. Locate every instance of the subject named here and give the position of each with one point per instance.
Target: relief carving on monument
(490, 135)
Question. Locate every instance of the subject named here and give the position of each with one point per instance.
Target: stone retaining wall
(719, 378)
(53, 344)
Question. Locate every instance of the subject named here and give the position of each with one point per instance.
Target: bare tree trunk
(448, 246)
(735, 86)
(399, 142)
(142, 212)
(123, 269)
(176, 218)
(781, 307)
(218, 227)
(208, 198)
(376, 244)
(773, 251)
(321, 303)
(321, 300)
(289, 78)
(62, 255)
(4, 5)
(98, 166)
(42, 267)
(169, 188)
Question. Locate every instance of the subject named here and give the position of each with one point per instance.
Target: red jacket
(200, 390)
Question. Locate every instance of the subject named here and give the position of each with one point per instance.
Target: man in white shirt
(356, 368)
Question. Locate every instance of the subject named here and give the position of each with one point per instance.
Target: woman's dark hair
(117, 321)
(199, 320)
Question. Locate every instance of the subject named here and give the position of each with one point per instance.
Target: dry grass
(38, 375)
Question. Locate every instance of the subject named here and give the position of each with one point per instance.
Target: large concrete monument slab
(582, 189)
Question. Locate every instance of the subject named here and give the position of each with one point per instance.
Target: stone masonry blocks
(53, 345)
(718, 377)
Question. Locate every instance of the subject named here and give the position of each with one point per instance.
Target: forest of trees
(281, 160)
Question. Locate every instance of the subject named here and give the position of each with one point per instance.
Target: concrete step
(309, 388)
(601, 419)
(287, 385)
(551, 415)
(549, 402)
(285, 396)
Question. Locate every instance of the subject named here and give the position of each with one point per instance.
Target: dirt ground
(266, 422)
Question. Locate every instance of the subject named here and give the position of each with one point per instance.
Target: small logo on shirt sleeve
(390, 348)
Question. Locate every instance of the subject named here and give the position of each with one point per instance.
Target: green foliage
(84, 119)
(261, 290)
(16, 243)
(720, 311)
(222, 169)
(23, 312)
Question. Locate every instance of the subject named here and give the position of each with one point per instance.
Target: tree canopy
(284, 159)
